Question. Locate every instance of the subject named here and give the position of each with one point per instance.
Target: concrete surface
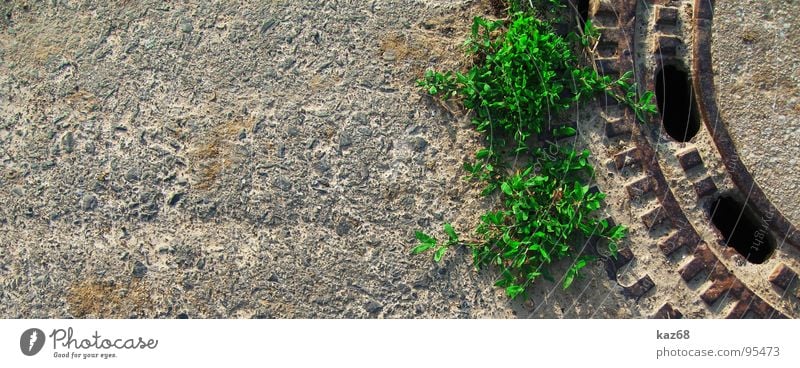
(756, 51)
(240, 160)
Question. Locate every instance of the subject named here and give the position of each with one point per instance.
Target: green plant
(524, 77)
(625, 89)
(643, 106)
(427, 242)
(546, 208)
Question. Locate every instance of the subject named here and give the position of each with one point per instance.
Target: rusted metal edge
(705, 92)
(664, 192)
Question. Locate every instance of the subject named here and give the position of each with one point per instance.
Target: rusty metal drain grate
(685, 259)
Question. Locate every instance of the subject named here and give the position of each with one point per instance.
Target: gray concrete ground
(756, 51)
(264, 159)
(273, 159)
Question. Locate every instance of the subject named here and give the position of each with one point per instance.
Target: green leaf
(545, 255)
(505, 278)
(514, 290)
(490, 187)
(568, 280)
(613, 249)
(497, 218)
(564, 131)
(579, 191)
(538, 181)
(617, 232)
(520, 261)
(510, 253)
(582, 262)
(422, 247)
(482, 153)
(476, 256)
(424, 238)
(439, 253)
(506, 237)
(448, 229)
(469, 168)
(506, 189)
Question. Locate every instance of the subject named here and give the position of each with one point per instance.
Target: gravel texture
(241, 160)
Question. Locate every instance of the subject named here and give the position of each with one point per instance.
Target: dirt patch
(422, 50)
(214, 152)
(498, 7)
(437, 42)
(109, 299)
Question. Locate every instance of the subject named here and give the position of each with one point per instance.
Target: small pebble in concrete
(88, 202)
(139, 270)
(418, 144)
(373, 307)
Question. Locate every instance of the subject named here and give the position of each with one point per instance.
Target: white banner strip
(399, 343)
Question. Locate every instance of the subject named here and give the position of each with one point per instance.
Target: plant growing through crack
(524, 77)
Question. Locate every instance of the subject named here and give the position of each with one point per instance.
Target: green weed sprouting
(525, 76)
(546, 208)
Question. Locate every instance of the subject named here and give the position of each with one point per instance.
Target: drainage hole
(742, 230)
(676, 103)
(583, 11)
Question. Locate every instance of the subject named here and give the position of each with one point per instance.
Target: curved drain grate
(676, 103)
(672, 220)
(742, 230)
